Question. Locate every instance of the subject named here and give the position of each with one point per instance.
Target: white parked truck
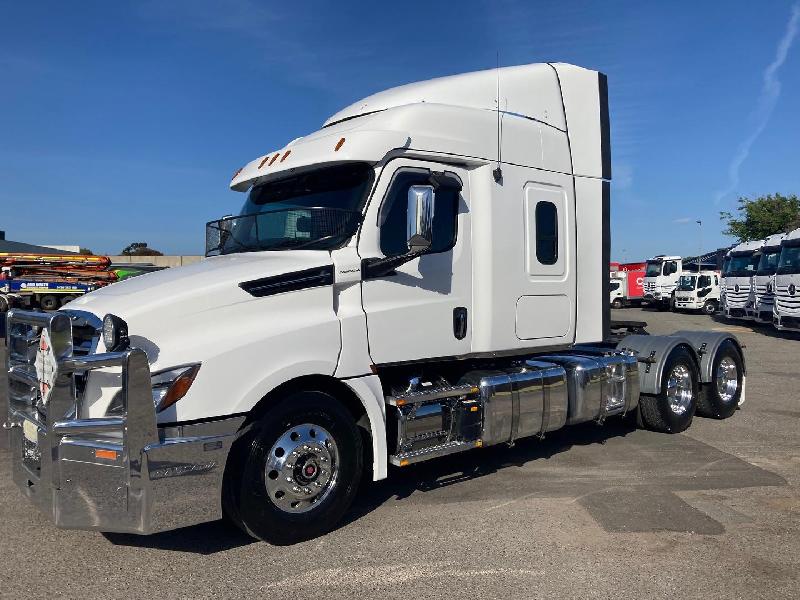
(396, 288)
(786, 313)
(764, 280)
(698, 291)
(739, 293)
(660, 280)
(726, 261)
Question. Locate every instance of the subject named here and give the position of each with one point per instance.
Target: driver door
(423, 308)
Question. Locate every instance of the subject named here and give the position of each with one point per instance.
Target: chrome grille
(734, 299)
(786, 304)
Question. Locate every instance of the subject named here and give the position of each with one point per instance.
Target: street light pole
(700, 231)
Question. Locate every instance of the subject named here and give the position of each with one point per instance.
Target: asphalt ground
(590, 512)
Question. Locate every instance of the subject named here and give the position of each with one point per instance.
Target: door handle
(460, 322)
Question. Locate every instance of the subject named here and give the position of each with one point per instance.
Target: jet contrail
(770, 91)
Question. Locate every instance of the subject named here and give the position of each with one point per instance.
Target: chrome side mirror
(419, 223)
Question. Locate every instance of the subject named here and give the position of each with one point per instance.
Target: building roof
(9, 246)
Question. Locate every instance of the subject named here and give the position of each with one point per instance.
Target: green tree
(140, 249)
(762, 216)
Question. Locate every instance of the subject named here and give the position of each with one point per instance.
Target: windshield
(653, 268)
(614, 285)
(725, 265)
(317, 210)
(790, 260)
(743, 265)
(686, 283)
(768, 264)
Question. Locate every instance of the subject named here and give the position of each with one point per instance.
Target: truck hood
(189, 291)
(199, 314)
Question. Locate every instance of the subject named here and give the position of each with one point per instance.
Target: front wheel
(617, 303)
(672, 410)
(710, 307)
(298, 470)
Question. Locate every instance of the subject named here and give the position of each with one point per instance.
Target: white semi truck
(698, 291)
(786, 314)
(739, 293)
(660, 280)
(397, 288)
(726, 261)
(764, 279)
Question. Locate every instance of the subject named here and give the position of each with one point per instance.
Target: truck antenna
(498, 172)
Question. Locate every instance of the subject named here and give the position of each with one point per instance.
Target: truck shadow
(219, 536)
(459, 468)
(765, 329)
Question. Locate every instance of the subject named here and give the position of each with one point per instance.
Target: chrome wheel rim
(727, 379)
(302, 468)
(680, 391)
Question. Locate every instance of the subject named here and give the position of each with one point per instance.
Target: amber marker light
(274, 158)
(265, 159)
(106, 454)
(338, 145)
(285, 154)
(237, 173)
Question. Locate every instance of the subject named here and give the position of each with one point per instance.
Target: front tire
(298, 470)
(710, 307)
(672, 410)
(720, 398)
(617, 303)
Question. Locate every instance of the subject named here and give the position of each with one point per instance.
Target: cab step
(401, 459)
(431, 394)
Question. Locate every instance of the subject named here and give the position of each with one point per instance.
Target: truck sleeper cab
(698, 291)
(786, 309)
(368, 307)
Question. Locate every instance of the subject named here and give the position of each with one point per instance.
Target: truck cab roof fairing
(531, 91)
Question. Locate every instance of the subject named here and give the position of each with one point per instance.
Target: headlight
(172, 385)
(115, 333)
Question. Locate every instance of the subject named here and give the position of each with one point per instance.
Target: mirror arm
(380, 267)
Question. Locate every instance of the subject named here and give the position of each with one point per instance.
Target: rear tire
(672, 410)
(48, 302)
(67, 299)
(295, 472)
(720, 398)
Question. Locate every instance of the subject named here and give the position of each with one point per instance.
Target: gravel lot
(590, 512)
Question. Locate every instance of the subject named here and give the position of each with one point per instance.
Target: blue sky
(123, 121)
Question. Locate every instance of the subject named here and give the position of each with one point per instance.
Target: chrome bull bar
(113, 473)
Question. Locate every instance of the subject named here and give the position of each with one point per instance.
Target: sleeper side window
(545, 215)
(546, 233)
(392, 215)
